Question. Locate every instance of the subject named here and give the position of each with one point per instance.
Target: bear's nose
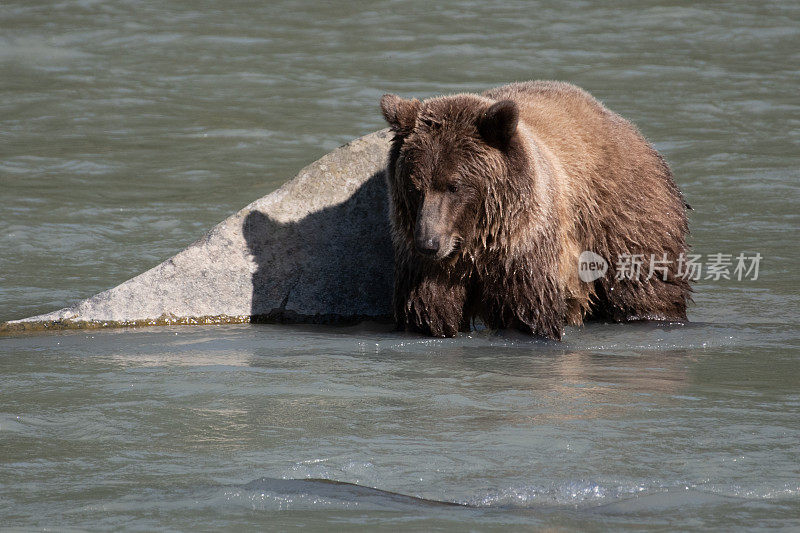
(428, 246)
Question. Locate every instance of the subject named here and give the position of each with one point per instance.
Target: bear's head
(449, 154)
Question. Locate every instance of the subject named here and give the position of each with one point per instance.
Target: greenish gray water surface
(128, 129)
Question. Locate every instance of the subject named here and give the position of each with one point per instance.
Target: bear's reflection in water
(548, 385)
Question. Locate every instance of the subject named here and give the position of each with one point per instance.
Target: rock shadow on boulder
(333, 266)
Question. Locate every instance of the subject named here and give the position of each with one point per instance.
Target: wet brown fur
(521, 207)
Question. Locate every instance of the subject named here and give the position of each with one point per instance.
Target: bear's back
(617, 196)
(572, 124)
(608, 162)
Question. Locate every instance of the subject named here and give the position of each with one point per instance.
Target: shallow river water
(129, 128)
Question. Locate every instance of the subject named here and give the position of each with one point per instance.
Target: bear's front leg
(429, 300)
(524, 296)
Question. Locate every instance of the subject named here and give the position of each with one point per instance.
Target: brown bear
(494, 197)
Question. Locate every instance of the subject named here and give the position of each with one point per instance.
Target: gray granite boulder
(316, 250)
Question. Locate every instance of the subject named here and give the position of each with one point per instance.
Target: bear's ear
(399, 113)
(498, 123)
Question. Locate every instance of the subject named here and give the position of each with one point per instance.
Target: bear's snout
(427, 245)
(431, 235)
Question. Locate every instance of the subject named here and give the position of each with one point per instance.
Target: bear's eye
(452, 187)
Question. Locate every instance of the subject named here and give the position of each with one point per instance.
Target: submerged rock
(317, 250)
